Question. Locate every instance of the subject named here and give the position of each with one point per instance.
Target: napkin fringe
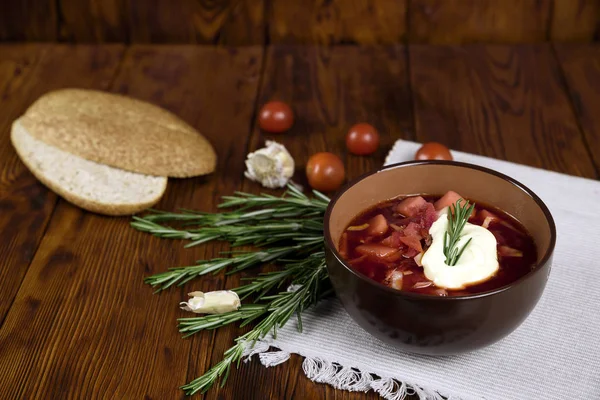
(340, 377)
(273, 358)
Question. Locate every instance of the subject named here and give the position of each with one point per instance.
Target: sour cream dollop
(478, 263)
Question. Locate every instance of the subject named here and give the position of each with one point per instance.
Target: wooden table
(76, 319)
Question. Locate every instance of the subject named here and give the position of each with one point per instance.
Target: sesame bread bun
(119, 131)
(92, 186)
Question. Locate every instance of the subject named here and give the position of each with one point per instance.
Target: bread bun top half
(119, 131)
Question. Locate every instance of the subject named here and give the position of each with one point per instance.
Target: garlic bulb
(217, 302)
(271, 166)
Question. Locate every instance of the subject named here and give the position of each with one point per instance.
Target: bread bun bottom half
(87, 184)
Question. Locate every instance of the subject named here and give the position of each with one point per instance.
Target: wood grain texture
(226, 22)
(466, 21)
(337, 21)
(28, 20)
(83, 323)
(581, 67)
(329, 89)
(575, 20)
(26, 72)
(93, 21)
(499, 101)
(249, 22)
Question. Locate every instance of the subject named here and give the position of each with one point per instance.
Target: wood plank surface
(575, 20)
(83, 325)
(252, 22)
(581, 67)
(26, 72)
(83, 322)
(93, 21)
(337, 22)
(28, 20)
(488, 21)
(506, 102)
(227, 22)
(329, 89)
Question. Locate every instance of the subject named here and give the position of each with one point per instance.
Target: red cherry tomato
(275, 117)
(325, 172)
(362, 139)
(433, 151)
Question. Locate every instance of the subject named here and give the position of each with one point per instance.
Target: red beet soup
(386, 243)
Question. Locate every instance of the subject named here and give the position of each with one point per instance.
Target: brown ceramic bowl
(435, 325)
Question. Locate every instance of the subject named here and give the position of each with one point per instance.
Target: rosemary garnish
(278, 311)
(292, 227)
(457, 218)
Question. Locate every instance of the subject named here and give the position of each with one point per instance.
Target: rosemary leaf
(288, 231)
(282, 306)
(240, 261)
(457, 219)
(189, 326)
(204, 382)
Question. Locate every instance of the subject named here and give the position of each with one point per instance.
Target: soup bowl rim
(418, 296)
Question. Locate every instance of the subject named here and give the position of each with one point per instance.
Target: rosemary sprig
(293, 204)
(457, 218)
(246, 313)
(265, 282)
(297, 272)
(237, 235)
(280, 309)
(292, 227)
(240, 262)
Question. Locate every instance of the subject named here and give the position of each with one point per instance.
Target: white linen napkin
(554, 354)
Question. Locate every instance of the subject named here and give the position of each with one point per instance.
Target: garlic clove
(271, 166)
(216, 302)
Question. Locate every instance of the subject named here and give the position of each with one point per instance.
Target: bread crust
(119, 131)
(25, 151)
